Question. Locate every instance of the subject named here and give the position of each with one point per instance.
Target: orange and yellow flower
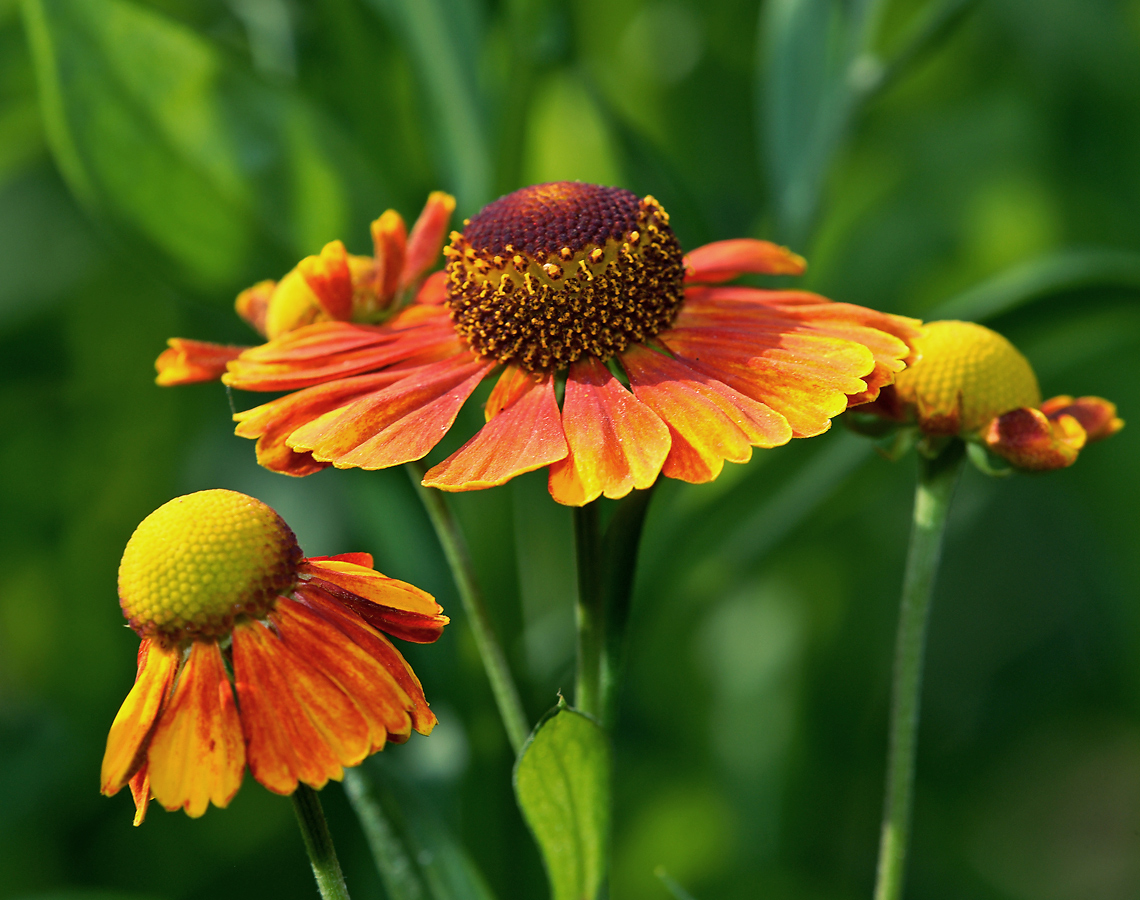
(619, 357)
(972, 383)
(252, 655)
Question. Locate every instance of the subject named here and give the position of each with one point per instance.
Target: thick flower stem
(936, 481)
(606, 565)
(318, 842)
(450, 535)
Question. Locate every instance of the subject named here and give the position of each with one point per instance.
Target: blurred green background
(157, 157)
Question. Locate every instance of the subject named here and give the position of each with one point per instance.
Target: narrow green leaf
(154, 128)
(562, 783)
(416, 854)
(441, 36)
(1068, 270)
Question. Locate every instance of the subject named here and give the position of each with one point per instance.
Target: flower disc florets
(199, 561)
(966, 376)
(557, 271)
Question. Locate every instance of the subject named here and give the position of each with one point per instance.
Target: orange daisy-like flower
(620, 358)
(252, 655)
(972, 383)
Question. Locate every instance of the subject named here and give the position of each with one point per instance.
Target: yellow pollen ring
(966, 376)
(197, 563)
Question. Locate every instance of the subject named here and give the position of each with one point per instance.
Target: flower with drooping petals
(252, 655)
(972, 383)
(619, 358)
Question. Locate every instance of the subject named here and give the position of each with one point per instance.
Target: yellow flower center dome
(198, 562)
(967, 375)
(553, 272)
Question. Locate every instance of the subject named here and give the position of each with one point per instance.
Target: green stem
(606, 566)
(936, 481)
(318, 842)
(591, 615)
(454, 545)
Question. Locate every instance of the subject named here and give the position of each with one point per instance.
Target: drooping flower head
(253, 655)
(972, 383)
(619, 358)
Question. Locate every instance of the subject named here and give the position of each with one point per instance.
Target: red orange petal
(390, 244)
(525, 436)
(400, 609)
(512, 384)
(127, 740)
(889, 338)
(197, 754)
(252, 304)
(1096, 415)
(378, 647)
(398, 423)
(433, 292)
(272, 423)
(323, 351)
(427, 236)
(708, 421)
(806, 378)
(1030, 440)
(140, 793)
(188, 362)
(379, 699)
(298, 724)
(616, 443)
(329, 278)
(725, 260)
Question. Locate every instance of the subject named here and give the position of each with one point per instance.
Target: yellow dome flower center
(557, 271)
(967, 371)
(199, 561)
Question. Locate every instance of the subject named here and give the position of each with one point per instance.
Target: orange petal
(324, 351)
(357, 559)
(525, 436)
(1096, 415)
(400, 609)
(725, 260)
(389, 243)
(378, 647)
(708, 421)
(272, 423)
(298, 725)
(1030, 440)
(890, 338)
(252, 304)
(197, 755)
(512, 384)
(362, 678)
(396, 424)
(427, 236)
(616, 443)
(127, 740)
(188, 362)
(806, 378)
(433, 292)
(140, 793)
(329, 278)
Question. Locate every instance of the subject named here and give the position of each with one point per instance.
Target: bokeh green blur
(982, 158)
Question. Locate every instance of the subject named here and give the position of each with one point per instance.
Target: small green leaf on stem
(562, 783)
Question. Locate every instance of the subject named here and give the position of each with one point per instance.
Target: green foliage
(954, 159)
(562, 782)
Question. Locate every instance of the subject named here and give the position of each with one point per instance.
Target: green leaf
(441, 36)
(1058, 273)
(157, 130)
(416, 854)
(562, 783)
